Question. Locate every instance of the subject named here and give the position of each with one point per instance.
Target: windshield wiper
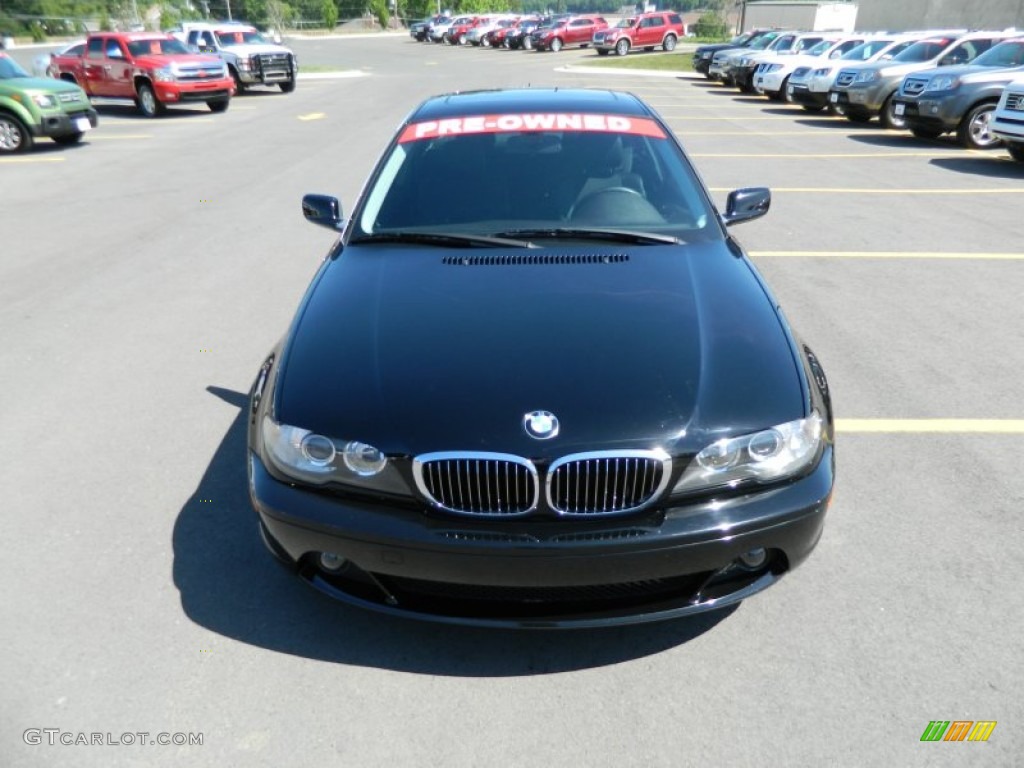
(575, 233)
(444, 239)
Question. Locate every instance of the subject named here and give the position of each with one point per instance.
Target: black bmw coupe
(536, 381)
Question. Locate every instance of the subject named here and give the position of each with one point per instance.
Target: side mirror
(323, 210)
(747, 204)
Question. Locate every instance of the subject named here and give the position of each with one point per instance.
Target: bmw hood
(415, 350)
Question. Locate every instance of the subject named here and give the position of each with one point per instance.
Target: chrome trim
(656, 455)
(419, 464)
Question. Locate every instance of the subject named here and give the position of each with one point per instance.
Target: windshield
(764, 41)
(925, 50)
(243, 37)
(157, 47)
(804, 43)
(625, 24)
(526, 172)
(1008, 54)
(820, 48)
(865, 51)
(9, 69)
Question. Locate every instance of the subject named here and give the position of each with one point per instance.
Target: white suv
(1008, 119)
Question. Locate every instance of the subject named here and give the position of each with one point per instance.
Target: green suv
(31, 107)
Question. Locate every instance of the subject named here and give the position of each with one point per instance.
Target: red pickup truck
(152, 69)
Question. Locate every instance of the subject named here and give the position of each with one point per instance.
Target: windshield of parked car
(507, 172)
(170, 46)
(241, 37)
(865, 50)
(924, 50)
(763, 42)
(625, 23)
(9, 69)
(1006, 54)
(803, 44)
(819, 48)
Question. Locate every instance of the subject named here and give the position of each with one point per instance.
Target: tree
(329, 11)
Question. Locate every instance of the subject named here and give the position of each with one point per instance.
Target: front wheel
(889, 119)
(528, 43)
(239, 85)
(288, 86)
(1016, 152)
(975, 131)
(14, 136)
(218, 105)
(670, 44)
(622, 47)
(147, 101)
(556, 45)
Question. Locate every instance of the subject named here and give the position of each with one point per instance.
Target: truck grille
(606, 483)
(845, 77)
(274, 62)
(1015, 102)
(477, 483)
(199, 72)
(912, 87)
(498, 484)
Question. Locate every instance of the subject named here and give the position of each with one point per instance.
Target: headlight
(317, 459)
(44, 100)
(744, 62)
(943, 83)
(867, 76)
(771, 454)
(164, 75)
(820, 72)
(244, 63)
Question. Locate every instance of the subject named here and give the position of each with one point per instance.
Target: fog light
(754, 559)
(332, 562)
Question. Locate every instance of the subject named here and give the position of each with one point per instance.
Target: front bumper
(490, 572)
(770, 82)
(176, 92)
(801, 94)
(930, 113)
(66, 123)
(867, 99)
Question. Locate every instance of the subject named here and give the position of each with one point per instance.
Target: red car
(576, 30)
(457, 31)
(645, 30)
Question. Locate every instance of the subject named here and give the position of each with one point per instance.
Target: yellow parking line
(931, 426)
(31, 160)
(886, 255)
(868, 191)
(312, 116)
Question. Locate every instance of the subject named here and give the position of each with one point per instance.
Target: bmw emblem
(542, 425)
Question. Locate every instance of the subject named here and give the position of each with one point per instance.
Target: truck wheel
(287, 86)
(147, 101)
(622, 47)
(239, 85)
(14, 136)
(975, 131)
(670, 43)
(69, 138)
(218, 105)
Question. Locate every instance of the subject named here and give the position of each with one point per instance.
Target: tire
(288, 86)
(926, 133)
(527, 43)
(69, 138)
(975, 131)
(745, 87)
(147, 102)
(622, 47)
(14, 136)
(669, 44)
(461, 39)
(1016, 152)
(783, 94)
(239, 85)
(888, 118)
(556, 45)
(218, 105)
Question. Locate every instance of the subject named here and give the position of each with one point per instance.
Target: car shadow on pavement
(131, 112)
(996, 164)
(904, 140)
(230, 585)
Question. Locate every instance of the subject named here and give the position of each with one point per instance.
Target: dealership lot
(143, 276)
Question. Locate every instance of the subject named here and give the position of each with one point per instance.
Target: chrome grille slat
(612, 482)
(473, 483)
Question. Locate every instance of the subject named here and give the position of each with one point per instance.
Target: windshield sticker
(543, 121)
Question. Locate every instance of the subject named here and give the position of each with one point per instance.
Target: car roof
(523, 100)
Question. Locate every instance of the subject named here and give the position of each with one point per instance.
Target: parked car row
(206, 63)
(553, 33)
(930, 82)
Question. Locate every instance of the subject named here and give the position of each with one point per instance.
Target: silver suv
(863, 91)
(251, 58)
(960, 99)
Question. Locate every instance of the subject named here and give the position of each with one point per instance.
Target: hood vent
(512, 260)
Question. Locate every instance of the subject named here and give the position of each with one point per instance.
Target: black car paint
(662, 346)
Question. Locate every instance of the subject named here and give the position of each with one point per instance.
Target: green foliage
(711, 25)
(38, 32)
(329, 14)
(105, 25)
(379, 9)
